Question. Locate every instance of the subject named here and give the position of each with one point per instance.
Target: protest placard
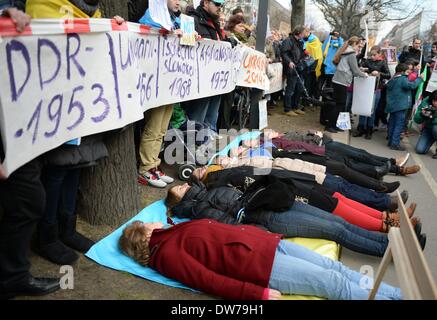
(252, 71)
(364, 96)
(274, 72)
(189, 33)
(263, 119)
(58, 87)
(344, 121)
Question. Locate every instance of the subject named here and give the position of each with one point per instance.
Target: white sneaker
(167, 179)
(151, 178)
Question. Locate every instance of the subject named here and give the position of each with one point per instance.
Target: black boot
(51, 248)
(70, 237)
(359, 132)
(369, 132)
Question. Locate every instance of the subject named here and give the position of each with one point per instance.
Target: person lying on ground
(353, 212)
(228, 205)
(242, 262)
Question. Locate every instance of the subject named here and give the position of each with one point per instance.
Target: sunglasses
(219, 5)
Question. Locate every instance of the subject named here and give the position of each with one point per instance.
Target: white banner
(252, 69)
(274, 72)
(364, 96)
(59, 87)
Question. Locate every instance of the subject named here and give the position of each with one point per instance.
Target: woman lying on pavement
(277, 212)
(361, 193)
(242, 262)
(306, 191)
(357, 159)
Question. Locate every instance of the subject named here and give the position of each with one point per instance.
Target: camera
(428, 112)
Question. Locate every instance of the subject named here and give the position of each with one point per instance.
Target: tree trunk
(297, 13)
(109, 193)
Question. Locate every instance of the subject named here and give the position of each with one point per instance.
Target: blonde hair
(134, 242)
(352, 41)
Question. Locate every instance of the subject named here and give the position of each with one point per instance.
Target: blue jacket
(332, 50)
(399, 93)
(148, 21)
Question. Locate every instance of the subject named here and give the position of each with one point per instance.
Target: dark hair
(434, 43)
(352, 41)
(237, 10)
(433, 97)
(402, 67)
(413, 62)
(233, 21)
(298, 30)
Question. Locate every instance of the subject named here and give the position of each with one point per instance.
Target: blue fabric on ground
(107, 253)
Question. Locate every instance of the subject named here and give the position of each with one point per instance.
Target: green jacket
(418, 118)
(399, 93)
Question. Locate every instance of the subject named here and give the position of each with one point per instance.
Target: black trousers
(340, 96)
(22, 199)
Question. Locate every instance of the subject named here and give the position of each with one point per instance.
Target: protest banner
(252, 71)
(432, 84)
(58, 86)
(364, 96)
(189, 33)
(274, 72)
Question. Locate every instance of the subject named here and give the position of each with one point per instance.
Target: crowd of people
(314, 188)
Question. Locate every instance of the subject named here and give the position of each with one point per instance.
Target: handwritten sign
(252, 71)
(344, 121)
(274, 72)
(263, 117)
(187, 25)
(364, 96)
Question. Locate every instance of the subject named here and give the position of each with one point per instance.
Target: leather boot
(51, 248)
(369, 132)
(359, 132)
(70, 236)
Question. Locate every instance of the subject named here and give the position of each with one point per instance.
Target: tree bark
(109, 193)
(297, 13)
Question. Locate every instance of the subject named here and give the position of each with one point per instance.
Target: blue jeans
(395, 127)
(293, 92)
(306, 221)
(61, 186)
(298, 270)
(427, 138)
(373, 199)
(369, 122)
(204, 110)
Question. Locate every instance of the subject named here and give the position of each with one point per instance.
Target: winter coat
(225, 203)
(381, 66)
(136, 9)
(290, 145)
(91, 149)
(418, 118)
(399, 96)
(308, 137)
(292, 51)
(205, 26)
(318, 171)
(347, 68)
(233, 262)
(411, 54)
(330, 48)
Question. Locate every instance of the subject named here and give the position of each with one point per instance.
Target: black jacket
(224, 203)
(136, 9)
(380, 66)
(203, 28)
(292, 51)
(412, 54)
(91, 149)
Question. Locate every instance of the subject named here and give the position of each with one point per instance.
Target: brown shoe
(409, 170)
(291, 114)
(411, 209)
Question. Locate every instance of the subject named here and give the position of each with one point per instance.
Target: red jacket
(233, 262)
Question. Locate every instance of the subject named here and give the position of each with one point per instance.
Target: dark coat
(292, 51)
(233, 262)
(411, 54)
(91, 149)
(203, 28)
(136, 9)
(381, 66)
